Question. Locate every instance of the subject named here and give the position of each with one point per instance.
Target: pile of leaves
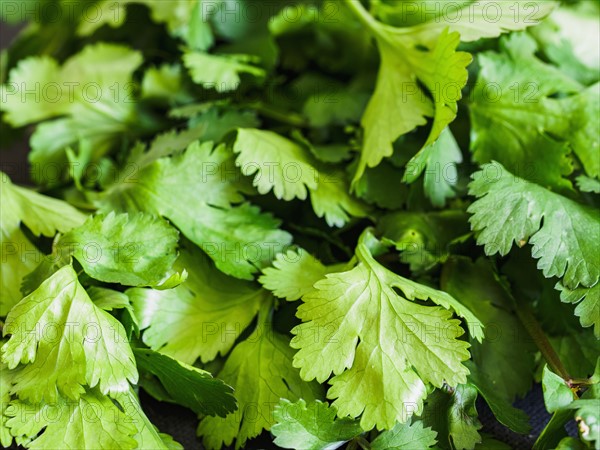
(318, 223)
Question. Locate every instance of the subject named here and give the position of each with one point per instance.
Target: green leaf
(578, 351)
(382, 186)
(187, 385)
(240, 239)
(200, 318)
(478, 287)
(147, 435)
(554, 431)
(260, 370)
(108, 299)
(6, 379)
(557, 394)
(291, 171)
(59, 326)
(103, 64)
(506, 104)
(92, 421)
(406, 435)
(220, 72)
(395, 357)
(164, 83)
(312, 426)
(410, 58)
(570, 443)
(587, 184)
(507, 415)
(279, 164)
(294, 274)
(472, 19)
(583, 109)
(131, 249)
(439, 161)
(588, 304)
(423, 239)
(453, 415)
(488, 443)
(510, 209)
(43, 215)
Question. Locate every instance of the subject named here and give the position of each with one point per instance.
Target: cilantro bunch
(315, 223)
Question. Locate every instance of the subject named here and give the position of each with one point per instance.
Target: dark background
(181, 423)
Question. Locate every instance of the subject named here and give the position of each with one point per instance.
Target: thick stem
(541, 340)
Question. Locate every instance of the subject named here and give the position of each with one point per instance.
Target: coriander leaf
(290, 170)
(19, 258)
(200, 318)
(103, 64)
(506, 105)
(89, 345)
(394, 357)
(563, 38)
(339, 105)
(578, 351)
(312, 426)
(510, 209)
(513, 418)
(472, 19)
(132, 249)
(271, 156)
(189, 386)
(587, 184)
(406, 435)
(399, 104)
(570, 443)
(382, 186)
(554, 431)
(220, 72)
(6, 380)
(477, 286)
(557, 394)
(588, 304)
(583, 128)
(108, 13)
(92, 421)
(184, 19)
(42, 215)
(147, 435)
(240, 239)
(588, 419)
(92, 91)
(462, 418)
(90, 125)
(293, 274)
(454, 416)
(260, 370)
(33, 71)
(488, 443)
(164, 83)
(108, 299)
(331, 199)
(423, 239)
(439, 161)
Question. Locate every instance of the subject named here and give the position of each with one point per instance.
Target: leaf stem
(359, 11)
(536, 332)
(287, 117)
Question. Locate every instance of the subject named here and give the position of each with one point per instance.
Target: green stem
(541, 340)
(289, 118)
(359, 11)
